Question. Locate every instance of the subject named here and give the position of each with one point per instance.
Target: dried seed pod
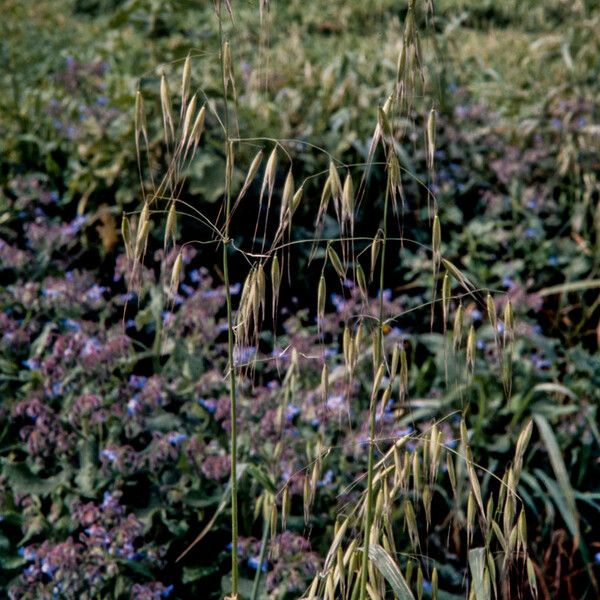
(403, 385)
(227, 64)
(491, 311)
(361, 280)
(336, 262)
(273, 520)
(384, 122)
(261, 282)
(197, 128)
(395, 361)
(470, 516)
(335, 181)
(171, 226)
(522, 530)
(285, 506)
(420, 583)
(306, 499)
(377, 380)
(324, 382)
(287, 195)
(446, 294)
(270, 172)
(275, 282)
(520, 447)
(186, 79)
(375, 248)
(509, 321)
(126, 235)
(346, 344)
(187, 121)
(458, 327)
(434, 584)
(532, 578)
(436, 235)
(348, 197)
(321, 298)
(176, 275)
(297, 198)
(416, 471)
(431, 138)
(451, 474)
(165, 102)
(471, 348)
(254, 166)
(140, 120)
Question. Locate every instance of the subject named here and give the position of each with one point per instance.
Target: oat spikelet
(176, 275)
(321, 298)
(197, 128)
(471, 348)
(186, 79)
(275, 283)
(165, 102)
(361, 281)
(336, 262)
(126, 235)
(171, 226)
(375, 248)
(446, 294)
(458, 327)
(187, 121)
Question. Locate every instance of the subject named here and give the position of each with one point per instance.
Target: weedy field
(300, 299)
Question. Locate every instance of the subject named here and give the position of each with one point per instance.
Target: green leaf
(567, 506)
(22, 480)
(390, 570)
(191, 574)
(262, 477)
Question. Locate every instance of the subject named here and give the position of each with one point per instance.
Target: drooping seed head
(176, 275)
(336, 262)
(165, 101)
(171, 226)
(198, 127)
(186, 79)
(375, 248)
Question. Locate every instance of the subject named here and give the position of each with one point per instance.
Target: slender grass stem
(233, 452)
(372, 417)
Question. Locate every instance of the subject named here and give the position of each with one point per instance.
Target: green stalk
(233, 452)
(261, 559)
(372, 417)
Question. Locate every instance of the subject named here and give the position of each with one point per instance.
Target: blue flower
(253, 563)
(327, 479)
(176, 438)
(31, 363)
(71, 325)
(209, 405)
(167, 591)
(292, 411)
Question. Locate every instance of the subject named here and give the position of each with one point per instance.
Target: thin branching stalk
(372, 415)
(233, 452)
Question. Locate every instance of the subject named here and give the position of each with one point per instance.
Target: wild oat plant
(380, 538)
